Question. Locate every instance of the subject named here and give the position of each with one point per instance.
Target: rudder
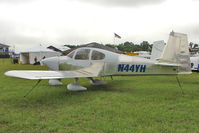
(176, 51)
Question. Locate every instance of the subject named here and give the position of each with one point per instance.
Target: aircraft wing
(91, 71)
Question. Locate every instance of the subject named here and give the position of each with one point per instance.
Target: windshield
(71, 54)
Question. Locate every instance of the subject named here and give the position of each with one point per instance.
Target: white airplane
(194, 63)
(93, 62)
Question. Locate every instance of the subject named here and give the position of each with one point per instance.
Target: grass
(126, 104)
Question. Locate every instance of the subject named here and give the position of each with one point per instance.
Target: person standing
(35, 59)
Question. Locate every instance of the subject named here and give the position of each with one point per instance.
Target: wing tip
(7, 73)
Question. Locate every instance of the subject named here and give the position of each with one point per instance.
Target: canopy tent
(27, 56)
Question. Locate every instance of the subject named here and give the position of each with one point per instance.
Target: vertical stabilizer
(176, 51)
(157, 49)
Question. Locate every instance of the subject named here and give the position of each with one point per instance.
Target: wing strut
(32, 88)
(179, 85)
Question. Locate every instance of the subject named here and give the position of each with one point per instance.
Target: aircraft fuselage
(113, 64)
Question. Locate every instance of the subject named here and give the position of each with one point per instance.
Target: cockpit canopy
(86, 54)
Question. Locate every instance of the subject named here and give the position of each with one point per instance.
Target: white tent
(27, 56)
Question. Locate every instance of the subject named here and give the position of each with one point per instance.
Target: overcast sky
(26, 23)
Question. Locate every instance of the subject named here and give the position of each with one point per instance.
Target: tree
(144, 45)
(195, 46)
(111, 45)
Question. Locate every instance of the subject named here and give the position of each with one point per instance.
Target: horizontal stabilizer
(167, 64)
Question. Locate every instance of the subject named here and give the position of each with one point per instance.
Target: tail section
(176, 51)
(157, 49)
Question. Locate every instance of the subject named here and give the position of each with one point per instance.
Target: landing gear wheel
(75, 87)
(55, 82)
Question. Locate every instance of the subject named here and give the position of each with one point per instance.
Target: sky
(27, 23)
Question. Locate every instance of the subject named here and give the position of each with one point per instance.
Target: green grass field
(126, 104)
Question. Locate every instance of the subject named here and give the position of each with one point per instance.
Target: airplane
(194, 63)
(89, 62)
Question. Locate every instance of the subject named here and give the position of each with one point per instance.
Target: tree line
(131, 47)
(125, 47)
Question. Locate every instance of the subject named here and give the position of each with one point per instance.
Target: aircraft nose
(52, 63)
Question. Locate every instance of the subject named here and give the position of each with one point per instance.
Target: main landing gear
(97, 82)
(55, 82)
(75, 86)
